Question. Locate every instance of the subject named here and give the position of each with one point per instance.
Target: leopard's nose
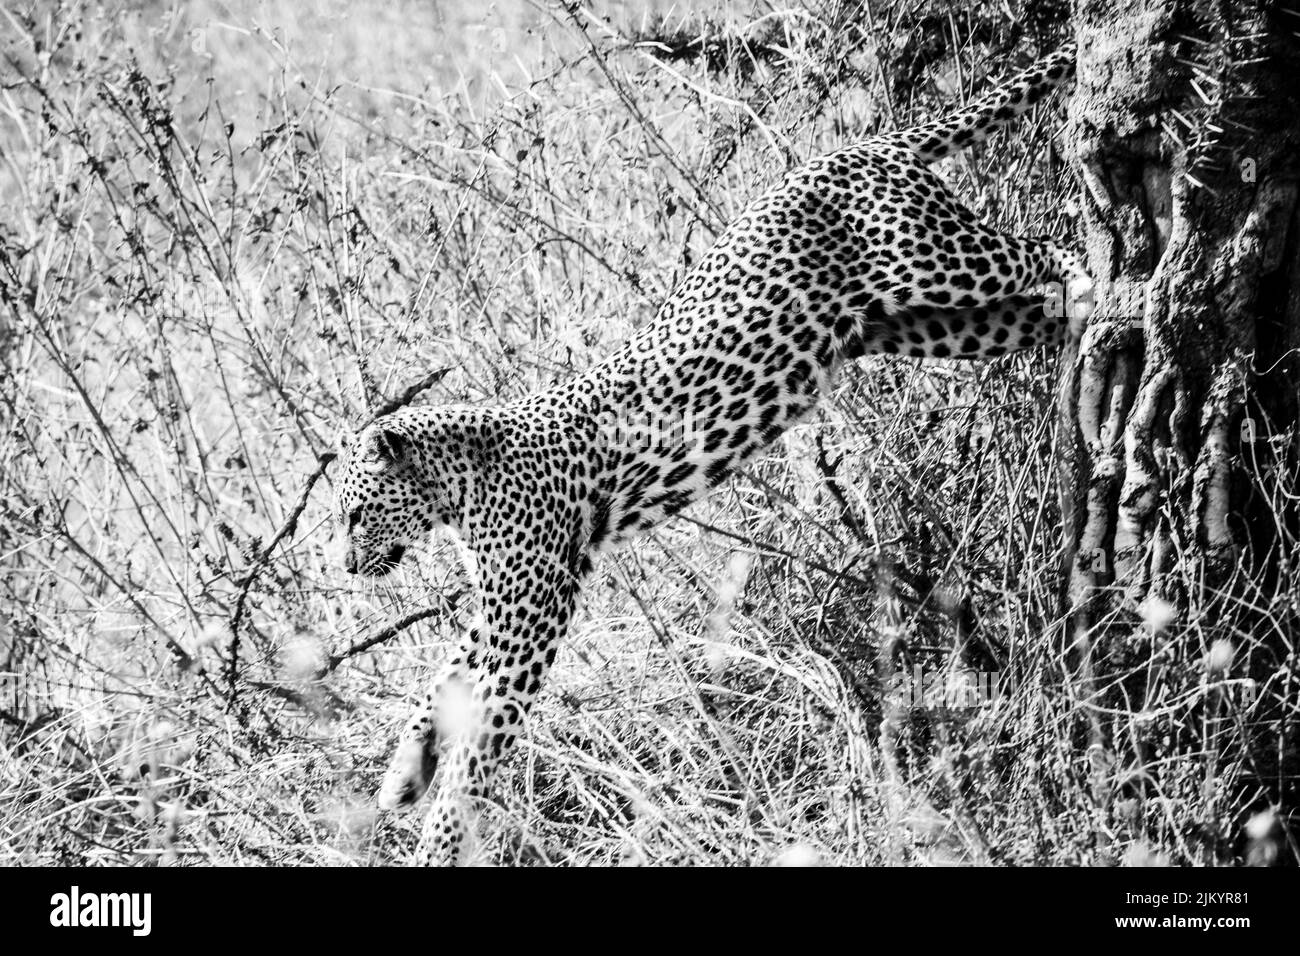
(350, 560)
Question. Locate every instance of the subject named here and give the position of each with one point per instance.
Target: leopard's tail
(995, 109)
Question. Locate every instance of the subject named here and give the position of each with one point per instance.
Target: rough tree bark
(1179, 404)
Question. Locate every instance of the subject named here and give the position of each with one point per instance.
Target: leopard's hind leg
(1007, 325)
(978, 266)
(914, 244)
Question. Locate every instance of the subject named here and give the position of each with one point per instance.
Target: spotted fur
(860, 251)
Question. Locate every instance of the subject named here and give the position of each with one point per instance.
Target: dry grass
(218, 246)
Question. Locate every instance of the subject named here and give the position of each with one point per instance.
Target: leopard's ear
(344, 440)
(386, 450)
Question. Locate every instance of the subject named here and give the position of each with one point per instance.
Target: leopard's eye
(353, 517)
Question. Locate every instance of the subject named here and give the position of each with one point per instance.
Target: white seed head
(1219, 660)
(301, 657)
(800, 854)
(1157, 614)
(455, 710)
(1260, 825)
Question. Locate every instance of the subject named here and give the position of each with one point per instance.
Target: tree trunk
(1179, 409)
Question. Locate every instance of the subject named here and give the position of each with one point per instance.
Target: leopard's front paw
(1079, 302)
(408, 775)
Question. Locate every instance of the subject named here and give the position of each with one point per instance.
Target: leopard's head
(383, 500)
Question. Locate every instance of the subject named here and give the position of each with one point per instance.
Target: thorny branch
(391, 631)
(409, 394)
(290, 527)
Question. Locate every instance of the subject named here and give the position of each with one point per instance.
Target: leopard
(861, 251)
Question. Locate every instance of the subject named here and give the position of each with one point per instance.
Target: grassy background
(229, 228)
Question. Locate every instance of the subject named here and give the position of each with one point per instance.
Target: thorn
(1198, 184)
(1243, 126)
